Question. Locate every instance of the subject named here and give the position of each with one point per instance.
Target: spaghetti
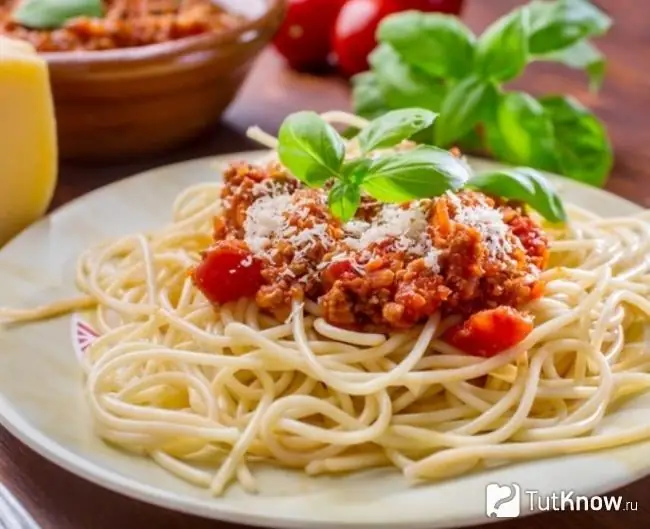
(209, 393)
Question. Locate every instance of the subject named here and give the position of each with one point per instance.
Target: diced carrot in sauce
(490, 332)
(227, 273)
(441, 218)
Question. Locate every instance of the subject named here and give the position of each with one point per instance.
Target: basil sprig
(314, 153)
(51, 14)
(435, 62)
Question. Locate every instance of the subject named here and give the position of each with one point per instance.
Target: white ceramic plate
(41, 398)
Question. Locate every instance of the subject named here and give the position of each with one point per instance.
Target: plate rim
(69, 461)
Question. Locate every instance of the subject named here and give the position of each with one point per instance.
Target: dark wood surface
(60, 500)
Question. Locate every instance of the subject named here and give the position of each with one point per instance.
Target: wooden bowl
(123, 103)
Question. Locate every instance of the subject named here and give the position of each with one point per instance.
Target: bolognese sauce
(389, 268)
(126, 24)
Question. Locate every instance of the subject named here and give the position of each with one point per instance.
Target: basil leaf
(520, 132)
(343, 200)
(393, 127)
(402, 85)
(581, 56)
(440, 45)
(420, 173)
(354, 171)
(367, 97)
(583, 148)
(560, 24)
(472, 141)
(525, 185)
(466, 105)
(503, 49)
(51, 14)
(310, 148)
(425, 136)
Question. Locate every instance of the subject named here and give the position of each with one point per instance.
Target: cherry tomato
(490, 332)
(354, 32)
(452, 7)
(304, 37)
(356, 26)
(227, 273)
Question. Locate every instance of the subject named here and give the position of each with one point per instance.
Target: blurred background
(143, 83)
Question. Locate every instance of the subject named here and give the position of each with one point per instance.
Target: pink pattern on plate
(83, 336)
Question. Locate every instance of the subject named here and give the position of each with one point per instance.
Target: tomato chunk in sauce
(490, 332)
(227, 273)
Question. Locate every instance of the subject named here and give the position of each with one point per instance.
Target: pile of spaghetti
(210, 389)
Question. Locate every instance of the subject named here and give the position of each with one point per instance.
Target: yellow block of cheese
(28, 146)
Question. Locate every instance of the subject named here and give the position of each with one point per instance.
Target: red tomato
(338, 270)
(356, 26)
(304, 37)
(452, 7)
(490, 332)
(354, 32)
(227, 273)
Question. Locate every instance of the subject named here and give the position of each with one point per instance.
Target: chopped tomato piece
(338, 270)
(532, 239)
(490, 332)
(227, 273)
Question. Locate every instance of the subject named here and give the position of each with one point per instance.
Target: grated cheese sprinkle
(406, 228)
(267, 220)
(406, 225)
(488, 222)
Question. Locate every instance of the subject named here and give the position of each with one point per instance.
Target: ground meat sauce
(391, 267)
(127, 24)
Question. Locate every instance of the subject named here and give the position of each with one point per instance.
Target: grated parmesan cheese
(406, 225)
(405, 228)
(263, 221)
(267, 221)
(488, 222)
(431, 259)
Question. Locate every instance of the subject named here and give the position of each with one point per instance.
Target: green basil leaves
(433, 61)
(314, 153)
(466, 105)
(582, 146)
(503, 48)
(393, 127)
(344, 199)
(441, 46)
(310, 148)
(560, 24)
(524, 185)
(421, 173)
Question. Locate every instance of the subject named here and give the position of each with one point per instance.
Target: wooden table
(60, 500)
